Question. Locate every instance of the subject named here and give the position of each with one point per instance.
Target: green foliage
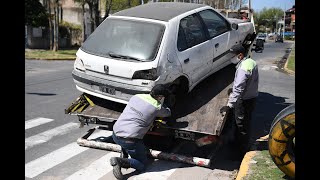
(118, 5)
(70, 25)
(66, 27)
(35, 14)
(264, 168)
(291, 60)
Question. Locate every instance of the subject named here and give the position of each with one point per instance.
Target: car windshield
(127, 40)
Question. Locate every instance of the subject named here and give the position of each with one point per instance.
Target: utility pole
(284, 20)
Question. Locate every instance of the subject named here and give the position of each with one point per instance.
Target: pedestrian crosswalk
(96, 168)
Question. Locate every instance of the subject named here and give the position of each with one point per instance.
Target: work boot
(117, 164)
(116, 168)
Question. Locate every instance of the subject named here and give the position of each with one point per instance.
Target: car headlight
(150, 74)
(78, 64)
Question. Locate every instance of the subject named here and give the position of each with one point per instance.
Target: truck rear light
(150, 74)
(78, 64)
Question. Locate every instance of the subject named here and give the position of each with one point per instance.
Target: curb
(65, 59)
(286, 64)
(245, 163)
(244, 167)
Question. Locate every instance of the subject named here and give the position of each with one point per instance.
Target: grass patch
(50, 55)
(264, 169)
(291, 60)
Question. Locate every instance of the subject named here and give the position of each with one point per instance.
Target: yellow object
(244, 167)
(281, 144)
(89, 101)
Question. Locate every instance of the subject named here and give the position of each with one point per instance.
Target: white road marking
(38, 166)
(159, 170)
(265, 68)
(95, 170)
(47, 135)
(36, 122)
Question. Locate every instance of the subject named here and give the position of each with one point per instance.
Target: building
(290, 21)
(286, 26)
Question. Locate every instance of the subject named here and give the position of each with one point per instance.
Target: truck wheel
(282, 141)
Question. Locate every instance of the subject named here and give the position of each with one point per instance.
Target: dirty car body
(156, 43)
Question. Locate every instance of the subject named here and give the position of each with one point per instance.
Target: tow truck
(195, 119)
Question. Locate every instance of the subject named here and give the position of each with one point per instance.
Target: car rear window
(137, 39)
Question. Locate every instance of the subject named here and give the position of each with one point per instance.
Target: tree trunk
(129, 3)
(55, 27)
(108, 8)
(83, 23)
(96, 14)
(91, 16)
(50, 26)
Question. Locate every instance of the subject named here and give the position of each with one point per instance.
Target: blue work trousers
(136, 149)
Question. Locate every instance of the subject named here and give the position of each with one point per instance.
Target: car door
(219, 33)
(194, 49)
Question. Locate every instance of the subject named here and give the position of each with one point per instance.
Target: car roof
(163, 11)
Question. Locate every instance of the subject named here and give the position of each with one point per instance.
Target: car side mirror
(234, 26)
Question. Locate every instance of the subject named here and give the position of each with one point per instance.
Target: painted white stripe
(159, 170)
(38, 166)
(54, 158)
(36, 122)
(47, 135)
(95, 170)
(100, 133)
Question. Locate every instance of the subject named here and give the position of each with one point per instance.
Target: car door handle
(216, 45)
(186, 60)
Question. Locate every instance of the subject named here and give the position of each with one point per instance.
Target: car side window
(216, 24)
(190, 33)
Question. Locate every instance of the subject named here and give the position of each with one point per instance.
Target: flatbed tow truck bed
(194, 118)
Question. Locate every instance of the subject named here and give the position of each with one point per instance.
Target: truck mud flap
(107, 145)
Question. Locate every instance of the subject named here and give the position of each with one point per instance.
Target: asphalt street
(51, 151)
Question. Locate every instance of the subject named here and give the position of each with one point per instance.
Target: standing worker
(243, 96)
(132, 125)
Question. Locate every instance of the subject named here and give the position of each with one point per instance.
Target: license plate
(107, 90)
(184, 135)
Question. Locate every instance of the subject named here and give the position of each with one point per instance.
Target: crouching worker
(132, 125)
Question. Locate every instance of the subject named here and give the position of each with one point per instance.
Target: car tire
(178, 91)
(282, 141)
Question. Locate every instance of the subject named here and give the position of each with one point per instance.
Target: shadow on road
(267, 107)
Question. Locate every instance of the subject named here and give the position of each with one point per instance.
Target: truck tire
(282, 141)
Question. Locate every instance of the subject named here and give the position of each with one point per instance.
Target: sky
(258, 5)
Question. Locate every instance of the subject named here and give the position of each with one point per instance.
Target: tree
(93, 12)
(269, 17)
(83, 3)
(56, 25)
(35, 14)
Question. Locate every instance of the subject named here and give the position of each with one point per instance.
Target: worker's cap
(159, 89)
(237, 49)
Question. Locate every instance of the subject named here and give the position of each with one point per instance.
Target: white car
(262, 36)
(156, 43)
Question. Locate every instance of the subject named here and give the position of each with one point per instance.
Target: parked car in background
(262, 36)
(156, 43)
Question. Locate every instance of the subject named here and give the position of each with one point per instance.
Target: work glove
(224, 109)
